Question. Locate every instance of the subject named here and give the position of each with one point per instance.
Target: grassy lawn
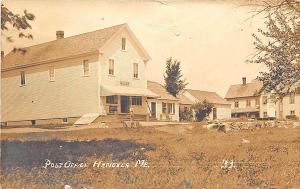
(189, 158)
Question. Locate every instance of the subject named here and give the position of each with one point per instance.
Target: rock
(222, 128)
(185, 184)
(68, 187)
(212, 126)
(103, 125)
(245, 141)
(296, 125)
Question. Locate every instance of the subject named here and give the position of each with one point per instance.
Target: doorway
(153, 109)
(214, 113)
(125, 104)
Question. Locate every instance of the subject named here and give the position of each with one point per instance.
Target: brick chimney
(59, 34)
(244, 80)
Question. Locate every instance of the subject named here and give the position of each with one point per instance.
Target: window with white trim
(292, 98)
(164, 107)
(23, 78)
(65, 120)
(257, 102)
(51, 73)
(111, 67)
(86, 68)
(123, 43)
(236, 104)
(171, 108)
(265, 99)
(112, 102)
(135, 70)
(292, 112)
(248, 102)
(112, 99)
(265, 114)
(136, 100)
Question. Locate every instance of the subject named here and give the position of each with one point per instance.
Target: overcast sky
(212, 39)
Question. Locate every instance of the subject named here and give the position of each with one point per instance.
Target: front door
(214, 113)
(153, 109)
(125, 103)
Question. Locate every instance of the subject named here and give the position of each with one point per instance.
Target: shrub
(292, 117)
(186, 114)
(202, 110)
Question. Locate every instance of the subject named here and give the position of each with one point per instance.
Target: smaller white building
(221, 108)
(164, 108)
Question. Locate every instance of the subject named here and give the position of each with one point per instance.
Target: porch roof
(244, 110)
(125, 90)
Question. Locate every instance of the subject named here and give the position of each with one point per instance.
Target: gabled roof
(247, 90)
(211, 97)
(160, 90)
(184, 100)
(84, 43)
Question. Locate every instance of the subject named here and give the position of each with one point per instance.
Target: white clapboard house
(246, 101)
(77, 79)
(221, 107)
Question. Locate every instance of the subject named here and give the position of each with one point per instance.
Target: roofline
(242, 96)
(50, 61)
(159, 98)
(145, 55)
(201, 91)
(188, 90)
(124, 25)
(185, 103)
(71, 36)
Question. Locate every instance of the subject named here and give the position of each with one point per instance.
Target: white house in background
(290, 106)
(166, 107)
(244, 99)
(246, 102)
(91, 74)
(221, 108)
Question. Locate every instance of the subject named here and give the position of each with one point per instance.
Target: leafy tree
(11, 21)
(278, 47)
(202, 109)
(174, 83)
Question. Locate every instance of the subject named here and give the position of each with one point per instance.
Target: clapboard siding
(123, 63)
(159, 114)
(243, 102)
(287, 107)
(70, 95)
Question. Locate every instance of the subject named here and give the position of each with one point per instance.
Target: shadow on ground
(37, 126)
(30, 154)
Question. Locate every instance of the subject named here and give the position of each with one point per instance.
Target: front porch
(125, 100)
(125, 105)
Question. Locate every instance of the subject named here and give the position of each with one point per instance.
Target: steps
(120, 118)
